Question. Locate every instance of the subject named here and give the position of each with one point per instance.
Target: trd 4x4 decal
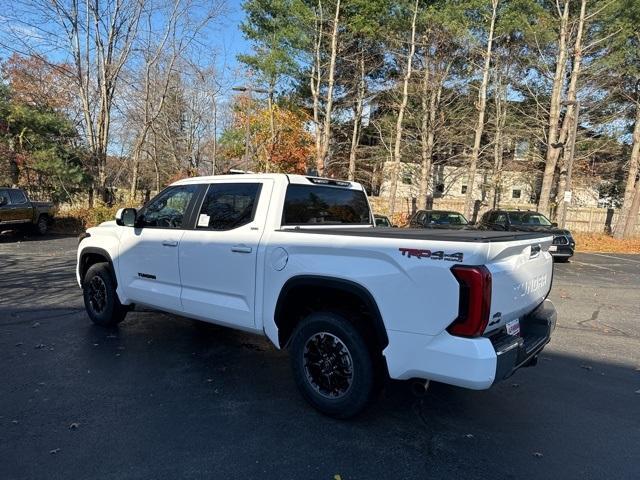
(439, 255)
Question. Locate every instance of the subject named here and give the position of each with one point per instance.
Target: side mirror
(126, 217)
(554, 225)
(394, 226)
(3, 201)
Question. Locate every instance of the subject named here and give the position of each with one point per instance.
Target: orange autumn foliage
(292, 145)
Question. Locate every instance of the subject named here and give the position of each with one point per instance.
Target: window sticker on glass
(203, 220)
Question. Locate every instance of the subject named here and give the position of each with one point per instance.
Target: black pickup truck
(18, 212)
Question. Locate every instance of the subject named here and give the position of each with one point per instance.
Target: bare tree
(397, 149)
(160, 56)
(569, 125)
(99, 38)
(435, 73)
(553, 145)
(481, 106)
(315, 79)
(501, 107)
(326, 128)
(629, 212)
(357, 116)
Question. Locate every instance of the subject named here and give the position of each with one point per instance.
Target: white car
(295, 258)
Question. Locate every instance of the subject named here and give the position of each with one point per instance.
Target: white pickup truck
(298, 259)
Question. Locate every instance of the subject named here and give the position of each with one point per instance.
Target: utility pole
(247, 127)
(563, 197)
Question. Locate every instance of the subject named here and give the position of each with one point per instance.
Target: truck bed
(472, 236)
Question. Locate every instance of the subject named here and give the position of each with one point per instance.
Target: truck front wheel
(332, 365)
(100, 297)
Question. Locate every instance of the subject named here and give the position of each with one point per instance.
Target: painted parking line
(624, 259)
(594, 265)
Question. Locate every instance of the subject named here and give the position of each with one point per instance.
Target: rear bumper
(514, 352)
(563, 251)
(475, 363)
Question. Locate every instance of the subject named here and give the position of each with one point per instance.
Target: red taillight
(475, 301)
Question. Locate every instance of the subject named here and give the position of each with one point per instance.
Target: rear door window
(319, 205)
(500, 219)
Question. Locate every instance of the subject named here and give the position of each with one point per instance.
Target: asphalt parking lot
(167, 397)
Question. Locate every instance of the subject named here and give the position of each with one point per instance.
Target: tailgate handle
(535, 250)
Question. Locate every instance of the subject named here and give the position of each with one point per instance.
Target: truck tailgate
(521, 274)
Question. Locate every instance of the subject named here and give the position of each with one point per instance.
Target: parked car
(563, 244)
(438, 219)
(382, 221)
(296, 259)
(18, 212)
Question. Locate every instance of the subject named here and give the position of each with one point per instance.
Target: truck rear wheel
(332, 365)
(42, 225)
(100, 297)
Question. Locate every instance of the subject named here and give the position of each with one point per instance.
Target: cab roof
(290, 178)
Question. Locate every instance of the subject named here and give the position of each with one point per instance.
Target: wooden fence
(579, 219)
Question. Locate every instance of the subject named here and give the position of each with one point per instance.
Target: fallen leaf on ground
(54, 451)
(586, 367)
(74, 426)
(538, 454)
(469, 435)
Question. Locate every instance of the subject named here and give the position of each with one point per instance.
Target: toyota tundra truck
(296, 258)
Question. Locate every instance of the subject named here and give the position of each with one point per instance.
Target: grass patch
(77, 220)
(600, 242)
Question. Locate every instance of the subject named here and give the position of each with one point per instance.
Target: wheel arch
(296, 293)
(92, 255)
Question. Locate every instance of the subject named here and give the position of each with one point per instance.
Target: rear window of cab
(322, 205)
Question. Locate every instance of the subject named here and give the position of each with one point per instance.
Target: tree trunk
(634, 162)
(501, 119)
(568, 131)
(397, 153)
(357, 118)
(428, 131)
(326, 128)
(553, 146)
(315, 83)
(134, 175)
(632, 218)
(272, 129)
(482, 106)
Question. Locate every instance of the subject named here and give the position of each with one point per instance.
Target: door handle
(170, 243)
(241, 249)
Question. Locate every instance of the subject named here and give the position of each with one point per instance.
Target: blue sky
(224, 39)
(230, 42)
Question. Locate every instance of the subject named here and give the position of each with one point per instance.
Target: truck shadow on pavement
(197, 400)
(11, 236)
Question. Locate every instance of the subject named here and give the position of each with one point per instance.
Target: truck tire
(100, 297)
(42, 225)
(333, 365)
